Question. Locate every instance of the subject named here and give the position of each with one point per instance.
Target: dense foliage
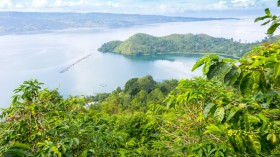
(143, 44)
(235, 113)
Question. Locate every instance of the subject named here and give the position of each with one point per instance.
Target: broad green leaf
(200, 62)
(273, 28)
(277, 70)
(252, 119)
(219, 113)
(207, 61)
(232, 113)
(223, 70)
(214, 57)
(257, 77)
(207, 109)
(212, 128)
(231, 77)
(271, 137)
(213, 71)
(239, 143)
(246, 85)
(278, 3)
(206, 67)
(255, 144)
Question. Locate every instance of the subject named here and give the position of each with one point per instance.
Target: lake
(44, 56)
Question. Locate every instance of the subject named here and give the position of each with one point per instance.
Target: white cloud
(6, 3)
(62, 3)
(20, 5)
(112, 4)
(243, 3)
(220, 5)
(132, 6)
(39, 3)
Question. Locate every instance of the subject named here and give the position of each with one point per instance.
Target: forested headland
(144, 44)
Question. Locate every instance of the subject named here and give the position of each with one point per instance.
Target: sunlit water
(43, 56)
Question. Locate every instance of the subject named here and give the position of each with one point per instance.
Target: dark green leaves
(207, 60)
(232, 76)
(273, 28)
(246, 85)
(271, 18)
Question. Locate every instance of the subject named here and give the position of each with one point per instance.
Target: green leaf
(246, 85)
(252, 119)
(278, 3)
(76, 141)
(207, 109)
(213, 71)
(273, 28)
(207, 60)
(267, 12)
(261, 18)
(271, 137)
(223, 70)
(265, 23)
(212, 128)
(214, 57)
(255, 144)
(277, 70)
(239, 143)
(206, 67)
(231, 77)
(219, 113)
(200, 62)
(232, 113)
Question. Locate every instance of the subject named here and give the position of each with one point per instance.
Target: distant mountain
(144, 44)
(33, 22)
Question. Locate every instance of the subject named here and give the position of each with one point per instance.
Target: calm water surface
(43, 56)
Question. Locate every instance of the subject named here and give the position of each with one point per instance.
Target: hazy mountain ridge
(144, 44)
(30, 22)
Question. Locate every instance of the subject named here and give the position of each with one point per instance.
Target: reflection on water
(43, 56)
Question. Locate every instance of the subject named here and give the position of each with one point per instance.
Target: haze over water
(43, 56)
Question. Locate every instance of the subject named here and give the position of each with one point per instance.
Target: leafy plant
(273, 19)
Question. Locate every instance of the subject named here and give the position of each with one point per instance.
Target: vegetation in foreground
(235, 111)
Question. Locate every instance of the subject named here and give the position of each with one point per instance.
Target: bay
(43, 57)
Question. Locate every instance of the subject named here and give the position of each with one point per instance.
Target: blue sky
(165, 7)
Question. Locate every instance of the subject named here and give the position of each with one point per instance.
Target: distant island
(38, 22)
(144, 44)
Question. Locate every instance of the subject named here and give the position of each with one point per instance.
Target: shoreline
(175, 53)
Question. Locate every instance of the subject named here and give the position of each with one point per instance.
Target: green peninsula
(144, 44)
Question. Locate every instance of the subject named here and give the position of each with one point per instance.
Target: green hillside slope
(144, 44)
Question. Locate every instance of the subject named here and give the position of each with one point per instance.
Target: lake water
(43, 56)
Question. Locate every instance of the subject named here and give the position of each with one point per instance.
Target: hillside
(144, 44)
(37, 22)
